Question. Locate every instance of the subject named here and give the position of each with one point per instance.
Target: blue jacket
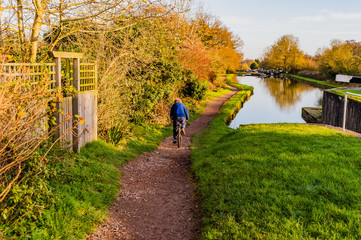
(179, 110)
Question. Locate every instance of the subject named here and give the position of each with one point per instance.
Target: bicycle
(179, 135)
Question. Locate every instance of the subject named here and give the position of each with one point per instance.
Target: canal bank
(265, 180)
(341, 105)
(315, 82)
(276, 100)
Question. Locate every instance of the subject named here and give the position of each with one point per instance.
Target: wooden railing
(88, 73)
(35, 71)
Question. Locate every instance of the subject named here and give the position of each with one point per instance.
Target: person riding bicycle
(178, 113)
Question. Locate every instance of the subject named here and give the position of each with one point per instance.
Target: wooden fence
(65, 71)
(35, 71)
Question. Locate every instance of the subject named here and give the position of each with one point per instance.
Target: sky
(259, 23)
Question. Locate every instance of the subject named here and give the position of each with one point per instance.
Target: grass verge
(342, 92)
(314, 81)
(277, 181)
(83, 186)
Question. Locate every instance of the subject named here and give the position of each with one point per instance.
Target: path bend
(158, 198)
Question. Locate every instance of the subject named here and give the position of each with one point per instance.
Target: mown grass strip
(342, 92)
(219, 122)
(277, 181)
(318, 82)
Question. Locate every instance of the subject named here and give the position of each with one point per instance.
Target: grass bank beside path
(84, 185)
(277, 181)
(314, 81)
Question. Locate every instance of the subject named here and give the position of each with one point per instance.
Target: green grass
(318, 82)
(343, 91)
(277, 181)
(83, 186)
(209, 97)
(218, 124)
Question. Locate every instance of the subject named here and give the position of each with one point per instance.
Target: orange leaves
(194, 57)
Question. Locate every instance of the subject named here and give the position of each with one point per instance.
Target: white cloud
(236, 20)
(328, 15)
(345, 16)
(342, 16)
(317, 18)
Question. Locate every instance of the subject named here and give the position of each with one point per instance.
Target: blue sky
(259, 23)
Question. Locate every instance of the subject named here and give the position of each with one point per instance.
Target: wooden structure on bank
(312, 114)
(83, 77)
(65, 71)
(333, 111)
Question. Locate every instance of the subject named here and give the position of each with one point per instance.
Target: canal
(276, 100)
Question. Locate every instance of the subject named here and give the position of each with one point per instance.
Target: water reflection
(276, 100)
(285, 91)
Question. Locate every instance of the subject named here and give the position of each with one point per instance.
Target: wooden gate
(82, 127)
(64, 72)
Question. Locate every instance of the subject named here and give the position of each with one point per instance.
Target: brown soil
(158, 198)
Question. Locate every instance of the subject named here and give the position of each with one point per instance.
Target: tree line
(147, 53)
(341, 57)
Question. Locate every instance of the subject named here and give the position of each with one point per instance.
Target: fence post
(76, 105)
(344, 113)
(57, 72)
(57, 79)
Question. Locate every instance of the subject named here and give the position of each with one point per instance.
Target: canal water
(276, 100)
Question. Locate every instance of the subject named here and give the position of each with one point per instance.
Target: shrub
(24, 192)
(195, 88)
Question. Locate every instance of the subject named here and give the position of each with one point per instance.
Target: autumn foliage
(147, 53)
(24, 135)
(341, 58)
(284, 54)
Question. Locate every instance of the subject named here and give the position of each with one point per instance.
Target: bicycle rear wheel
(179, 137)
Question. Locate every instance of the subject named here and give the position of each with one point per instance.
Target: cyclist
(178, 113)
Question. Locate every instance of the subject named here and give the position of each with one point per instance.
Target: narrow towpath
(158, 199)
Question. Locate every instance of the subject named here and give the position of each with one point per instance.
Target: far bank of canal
(276, 100)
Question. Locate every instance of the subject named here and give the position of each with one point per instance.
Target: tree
(223, 46)
(284, 55)
(63, 18)
(341, 57)
(254, 65)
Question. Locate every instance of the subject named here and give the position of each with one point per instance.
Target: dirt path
(158, 198)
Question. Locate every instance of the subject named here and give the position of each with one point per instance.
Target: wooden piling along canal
(312, 114)
(333, 110)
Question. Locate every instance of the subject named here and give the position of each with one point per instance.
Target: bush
(117, 133)
(25, 140)
(24, 191)
(195, 88)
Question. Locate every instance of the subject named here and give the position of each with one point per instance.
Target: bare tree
(59, 19)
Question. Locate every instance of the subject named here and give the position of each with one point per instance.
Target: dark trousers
(182, 120)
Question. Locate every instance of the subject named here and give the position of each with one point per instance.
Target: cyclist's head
(177, 100)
